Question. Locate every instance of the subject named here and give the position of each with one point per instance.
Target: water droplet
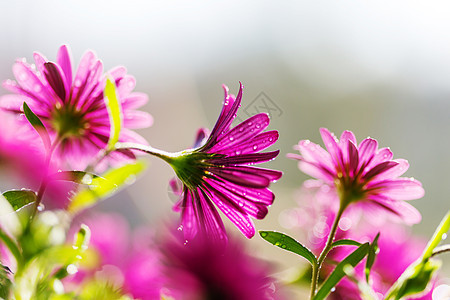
(22, 76)
(185, 242)
(241, 129)
(77, 82)
(283, 246)
(237, 152)
(270, 139)
(180, 228)
(41, 207)
(263, 234)
(72, 269)
(37, 88)
(255, 147)
(249, 123)
(75, 247)
(258, 126)
(444, 236)
(333, 289)
(231, 138)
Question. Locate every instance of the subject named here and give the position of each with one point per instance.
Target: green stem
(166, 156)
(43, 185)
(12, 246)
(326, 249)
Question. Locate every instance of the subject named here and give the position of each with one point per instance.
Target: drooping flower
(218, 172)
(72, 107)
(361, 173)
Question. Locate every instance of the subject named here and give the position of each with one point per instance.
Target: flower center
(350, 188)
(191, 167)
(67, 121)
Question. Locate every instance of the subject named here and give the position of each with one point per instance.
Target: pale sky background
(378, 68)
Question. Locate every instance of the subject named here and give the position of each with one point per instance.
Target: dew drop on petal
(77, 82)
(180, 228)
(249, 123)
(231, 138)
(255, 147)
(270, 139)
(333, 289)
(237, 152)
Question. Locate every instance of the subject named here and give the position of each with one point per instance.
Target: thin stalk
(166, 156)
(326, 249)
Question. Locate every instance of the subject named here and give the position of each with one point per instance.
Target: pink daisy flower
(361, 173)
(72, 107)
(218, 172)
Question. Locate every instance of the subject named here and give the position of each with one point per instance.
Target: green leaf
(19, 198)
(339, 272)
(417, 276)
(115, 114)
(5, 283)
(289, 244)
(345, 242)
(105, 186)
(37, 125)
(79, 177)
(371, 256)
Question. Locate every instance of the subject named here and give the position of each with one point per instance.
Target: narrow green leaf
(289, 244)
(19, 198)
(371, 256)
(105, 186)
(79, 177)
(345, 242)
(339, 272)
(37, 125)
(417, 276)
(115, 114)
(440, 232)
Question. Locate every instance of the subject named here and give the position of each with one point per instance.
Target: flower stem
(166, 156)
(326, 249)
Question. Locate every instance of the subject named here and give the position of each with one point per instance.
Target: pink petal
(263, 196)
(345, 137)
(134, 100)
(379, 169)
(313, 170)
(398, 189)
(39, 60)
(314, 153)
(272, 175)
(125, 86)
(64, 60)
(398, 170)
(53, 75)
(188, 218)
(333, 148)
(383, 154)
(244, 131)
(208, 217)
(137, 119)
(79, 83)
(240, 177)
(408, 213)
(245, 159)
(353, 157)
(118, 72)
(29, 82)
(233, 212)
(366, 151)
(237, 202)
(255, 144)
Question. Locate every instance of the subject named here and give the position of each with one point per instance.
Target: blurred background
(380, 69)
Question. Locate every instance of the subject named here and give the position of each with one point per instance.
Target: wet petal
(379, 169)
(333, 148)
(398, 170)
(408, 213)
(29, 82)
(244, 131)
(319, 172)
(54, 78)
(241, 177)
(245, 159)
(137, 119)
(366, 151)
(234, 212)
(188, 217)
(255, 144)
(314, 153)
(208, 218)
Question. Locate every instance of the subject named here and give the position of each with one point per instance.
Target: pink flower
(72, 108)
(218, 172)
(205, 270)
(361, 173)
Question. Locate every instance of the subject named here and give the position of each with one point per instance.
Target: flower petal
(208, 218)
(188, 217)
(333, 148)
(379, 169)
(233, 211)
(314, 153)
(244, 131)
(255, 144)
(313, 170)
(398, 189)
(366, 151)
(64, 60)
(53, 76)
(408, 213)
(398, 170)
(29, 82)
(136, 119)
(134, 100)
(245, 159)
(241, 177)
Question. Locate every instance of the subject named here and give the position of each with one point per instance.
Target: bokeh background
(378, 68)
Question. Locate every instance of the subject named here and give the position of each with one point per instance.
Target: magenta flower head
(361, 173)
(71, 105)
(207, 270)
(218, 172)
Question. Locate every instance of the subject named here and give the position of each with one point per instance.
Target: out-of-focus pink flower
(218, 172)
(24, 166)
(314, 218)
(361, 173)
(205, 270)
(72, 107)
